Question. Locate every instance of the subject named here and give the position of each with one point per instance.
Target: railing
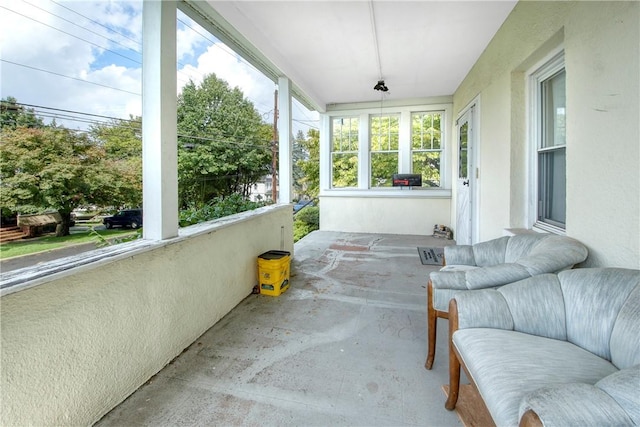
(77, 339)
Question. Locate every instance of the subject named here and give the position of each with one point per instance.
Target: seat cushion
(507, 365)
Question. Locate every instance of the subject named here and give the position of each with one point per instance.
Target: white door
(464, 225)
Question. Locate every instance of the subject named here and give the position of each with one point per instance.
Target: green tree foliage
(217, 208)
(52, 169)
(298, 155)
(223, 146)
(426, 135)
(306, 221)
(384, 150)
(344, 152)
(14, 115)
(122, 143)
(309, 177)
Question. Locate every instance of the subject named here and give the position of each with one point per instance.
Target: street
(16, 263)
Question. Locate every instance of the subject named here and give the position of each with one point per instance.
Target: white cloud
(44, 65)
(227, 66)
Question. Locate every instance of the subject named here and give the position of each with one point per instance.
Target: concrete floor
(345, 345)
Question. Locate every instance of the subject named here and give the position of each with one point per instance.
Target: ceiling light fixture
(381, 86)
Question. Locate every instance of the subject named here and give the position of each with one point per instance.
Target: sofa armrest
(573, 405)
(495, 275)
(484, 308)
(448, 279)
(459, 255)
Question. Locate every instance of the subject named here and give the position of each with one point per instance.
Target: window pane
(425, 131)
(462, 166)
(344, 134)
(384, 133)
(426, 148)
(554, 111)
(344, 170)
(552, 191)
(344, 152)
(427, 163)
(383, 166)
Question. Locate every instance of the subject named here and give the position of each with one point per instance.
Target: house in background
(520, 117)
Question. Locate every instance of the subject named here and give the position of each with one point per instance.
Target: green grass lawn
(47, 243)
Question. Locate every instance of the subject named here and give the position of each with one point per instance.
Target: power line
(38, 109)
(213, 42)
(74, 36)
(97, 23)
(83, 28)
(69, 77)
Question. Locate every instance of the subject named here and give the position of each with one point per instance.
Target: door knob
(465, 182)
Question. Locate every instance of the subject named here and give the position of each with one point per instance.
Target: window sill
(397, 192)
(547, 228)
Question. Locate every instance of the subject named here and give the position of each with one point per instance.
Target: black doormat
(431, 256)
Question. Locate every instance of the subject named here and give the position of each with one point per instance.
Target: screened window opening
(426, 147)
(552, 151)
(344, 152)
(384, 149)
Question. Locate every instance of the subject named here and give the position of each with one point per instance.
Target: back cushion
(554, 254)
(593, 299)
(545, 318)
(520, 245)
(490, 252)
(625, 338)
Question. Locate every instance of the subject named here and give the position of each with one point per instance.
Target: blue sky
(85, 56)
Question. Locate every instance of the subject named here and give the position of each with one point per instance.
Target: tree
(14, 115)
(122, 143)
(299, 154)
(52, 169)
(311, 165)
(223, 145)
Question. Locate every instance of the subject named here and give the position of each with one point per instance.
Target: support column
(159, 120)
(285, 157)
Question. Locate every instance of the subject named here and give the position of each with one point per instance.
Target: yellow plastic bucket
(273, 272)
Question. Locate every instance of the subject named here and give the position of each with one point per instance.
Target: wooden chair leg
(432, 320)
(454, 363)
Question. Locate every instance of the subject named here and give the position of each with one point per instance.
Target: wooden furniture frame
(432, 322)
(529, 418)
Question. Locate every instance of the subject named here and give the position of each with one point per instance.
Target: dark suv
(125, 218)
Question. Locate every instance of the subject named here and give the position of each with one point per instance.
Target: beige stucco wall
(600, 41)
(75, 347)
(399, 215)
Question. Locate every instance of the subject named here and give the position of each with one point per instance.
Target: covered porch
(345, 345)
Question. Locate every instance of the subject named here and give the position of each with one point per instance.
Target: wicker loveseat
(495, 263)
(553, 350)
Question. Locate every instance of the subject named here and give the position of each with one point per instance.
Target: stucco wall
(600, 41)
(403, 215)
(75, 347)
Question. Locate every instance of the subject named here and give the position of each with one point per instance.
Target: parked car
(124, 218)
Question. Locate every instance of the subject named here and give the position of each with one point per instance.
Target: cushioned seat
(553, 350)
(495, 263)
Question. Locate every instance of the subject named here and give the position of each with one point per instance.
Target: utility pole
(274, 151)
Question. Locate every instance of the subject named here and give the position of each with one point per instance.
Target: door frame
(473, 108)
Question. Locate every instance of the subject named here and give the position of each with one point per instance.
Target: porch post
(285, 143)
(159, 115)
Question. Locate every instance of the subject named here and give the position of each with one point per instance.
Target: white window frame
(545, 69)
(364, 189)
(428, 150)
(371, 152)
(332, 152)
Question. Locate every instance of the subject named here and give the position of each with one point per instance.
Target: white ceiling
(328, 48)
